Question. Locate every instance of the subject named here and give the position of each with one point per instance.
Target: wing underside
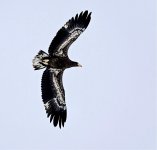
(68, 34)
(53, 96)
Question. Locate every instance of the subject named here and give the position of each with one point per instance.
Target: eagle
(55, 62)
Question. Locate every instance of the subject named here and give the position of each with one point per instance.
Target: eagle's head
(74, 64)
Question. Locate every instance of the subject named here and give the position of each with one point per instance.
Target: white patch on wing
(47, 105)
(73, 35)
(78, 29)
(59, 53)
(66, 25)
(55, 71)
(59, 92)
(57, 102)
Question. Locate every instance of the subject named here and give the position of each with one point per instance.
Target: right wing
(53, 96)
(68, 34)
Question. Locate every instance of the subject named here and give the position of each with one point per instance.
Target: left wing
(68, 34)
(53, 96)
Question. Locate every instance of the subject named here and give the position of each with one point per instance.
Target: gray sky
(111, 100)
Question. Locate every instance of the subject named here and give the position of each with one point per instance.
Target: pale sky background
(110, 101)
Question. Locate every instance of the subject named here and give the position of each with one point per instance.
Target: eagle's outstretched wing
(68, 34)
(53, 96)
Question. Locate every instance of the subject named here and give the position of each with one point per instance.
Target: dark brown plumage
(56, 62)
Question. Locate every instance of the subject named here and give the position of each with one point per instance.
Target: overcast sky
(110, 101)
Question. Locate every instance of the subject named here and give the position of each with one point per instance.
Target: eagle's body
(56, 62)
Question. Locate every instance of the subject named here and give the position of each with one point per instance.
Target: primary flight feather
(55, 62)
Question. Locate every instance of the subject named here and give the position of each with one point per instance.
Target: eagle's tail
(41, 60)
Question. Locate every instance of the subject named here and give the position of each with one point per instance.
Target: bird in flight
(55, 62)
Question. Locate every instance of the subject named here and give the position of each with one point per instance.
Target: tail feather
(41, 60)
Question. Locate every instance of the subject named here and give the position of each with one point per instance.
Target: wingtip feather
(58, 118)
